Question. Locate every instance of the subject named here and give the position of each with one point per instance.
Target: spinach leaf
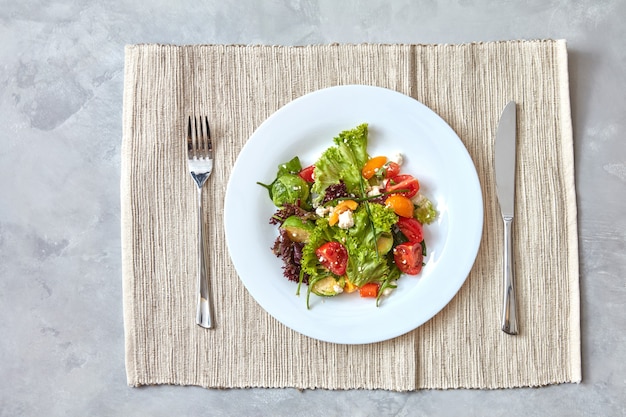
(288, 187)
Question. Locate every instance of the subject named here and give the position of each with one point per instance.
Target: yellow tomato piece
(340, 208)
(400, 204)
(348, 286)
(372, 166)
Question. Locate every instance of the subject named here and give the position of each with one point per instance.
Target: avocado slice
(297, 229)
(328, 286)
(384, 243)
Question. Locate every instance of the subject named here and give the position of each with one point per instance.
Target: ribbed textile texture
(238, 87)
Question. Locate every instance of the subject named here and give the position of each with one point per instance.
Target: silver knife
(505, 149)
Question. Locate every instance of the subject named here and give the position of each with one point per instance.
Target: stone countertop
(62, 68)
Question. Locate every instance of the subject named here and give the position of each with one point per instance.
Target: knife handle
(509, 307)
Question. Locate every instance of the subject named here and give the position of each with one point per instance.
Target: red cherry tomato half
(307, 173)
(408, 184)
(411, 228)
(408, 257)
(392, 169)
(334, 257)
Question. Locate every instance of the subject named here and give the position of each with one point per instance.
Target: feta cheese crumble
(321, 211)
(397, 158)
(375, 190)
(346, 220)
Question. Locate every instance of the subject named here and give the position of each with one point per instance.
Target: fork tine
(205, 135)
(198, 136)
(208, 136)
(190, 147)
(201, 135)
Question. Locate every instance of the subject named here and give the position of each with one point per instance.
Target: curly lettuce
(365, 263)
(382, 217)
(425, 211)
(344, 161)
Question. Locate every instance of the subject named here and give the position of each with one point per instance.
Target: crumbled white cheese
(374, 190)
(337, 289)
(321, 211)
(346, 220)
(397, 158)
(418, 199)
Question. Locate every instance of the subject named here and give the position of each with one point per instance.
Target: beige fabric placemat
(238, 87)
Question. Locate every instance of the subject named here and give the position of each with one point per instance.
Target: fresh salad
(349, 222)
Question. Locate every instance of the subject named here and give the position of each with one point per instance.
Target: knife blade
(505, 156)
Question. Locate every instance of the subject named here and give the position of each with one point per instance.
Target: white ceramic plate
(432, 152)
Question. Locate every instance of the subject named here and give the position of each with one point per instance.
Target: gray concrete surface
(61, 77)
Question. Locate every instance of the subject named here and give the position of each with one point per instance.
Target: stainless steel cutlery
(200, 163)
(505, 150)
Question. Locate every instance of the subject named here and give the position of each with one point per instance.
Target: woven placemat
(238, 87)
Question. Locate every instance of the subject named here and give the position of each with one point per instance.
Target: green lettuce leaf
(383, 217)
(425, 211)
(365, 264)
(344, 161)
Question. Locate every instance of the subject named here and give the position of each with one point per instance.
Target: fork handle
(509, 306)
(204, 309)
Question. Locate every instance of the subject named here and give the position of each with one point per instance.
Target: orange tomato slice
(372, 166)
(400, 204)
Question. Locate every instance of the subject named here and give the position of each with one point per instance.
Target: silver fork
(200, 163)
